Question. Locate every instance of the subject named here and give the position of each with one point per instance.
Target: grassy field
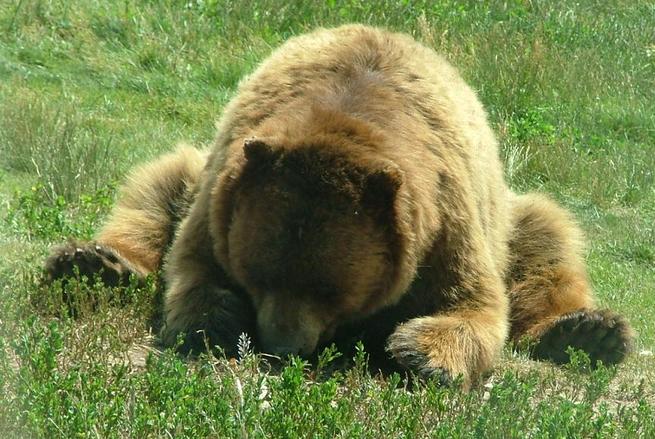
(89, 88)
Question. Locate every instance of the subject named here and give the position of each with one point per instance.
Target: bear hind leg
(551, 300)
(133, 240)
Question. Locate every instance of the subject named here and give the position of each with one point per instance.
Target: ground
(89, 89)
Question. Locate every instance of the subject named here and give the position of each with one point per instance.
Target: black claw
(417, 362)
(89, 260)
(226, 319)
(412, 359)
(438, 374)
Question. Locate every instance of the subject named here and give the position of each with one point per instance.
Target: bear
(354, 191)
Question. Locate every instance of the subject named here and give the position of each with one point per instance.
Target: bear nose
(280, 343)
(283, 351)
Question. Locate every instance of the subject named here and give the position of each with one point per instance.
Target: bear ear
(257, 151)
(381, 187)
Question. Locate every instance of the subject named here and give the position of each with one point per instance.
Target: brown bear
(354, 191)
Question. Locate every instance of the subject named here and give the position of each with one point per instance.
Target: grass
(90, 88)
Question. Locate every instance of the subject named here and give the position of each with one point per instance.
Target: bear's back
(435, 128)
(375, 75)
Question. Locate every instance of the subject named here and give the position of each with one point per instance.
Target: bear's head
(308, 231)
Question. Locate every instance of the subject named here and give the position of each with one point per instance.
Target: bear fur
(354, 192)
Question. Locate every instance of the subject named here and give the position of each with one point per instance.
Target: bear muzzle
(284, 334)
(283, 343)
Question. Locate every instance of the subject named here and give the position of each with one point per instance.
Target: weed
(87, 89)
(35, 215)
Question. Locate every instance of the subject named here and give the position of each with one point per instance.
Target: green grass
(90, 88)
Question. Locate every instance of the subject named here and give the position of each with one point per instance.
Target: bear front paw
(87, 259)
(216, 322)
(405, 348)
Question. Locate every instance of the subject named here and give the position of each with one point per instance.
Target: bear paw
(604, 335)
(88, 259)
(225, 316)
(403, 346)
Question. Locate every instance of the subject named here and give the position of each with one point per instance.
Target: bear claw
(413, 360)
(87, 259)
